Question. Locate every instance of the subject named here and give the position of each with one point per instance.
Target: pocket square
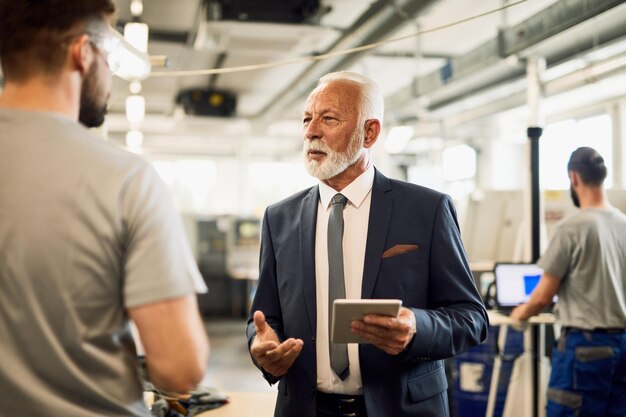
(399, 250)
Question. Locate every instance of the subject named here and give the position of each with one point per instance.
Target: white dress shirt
(355, 217)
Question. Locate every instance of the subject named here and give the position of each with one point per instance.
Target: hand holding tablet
(345, 311)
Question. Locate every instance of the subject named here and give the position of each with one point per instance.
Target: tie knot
(339, 199)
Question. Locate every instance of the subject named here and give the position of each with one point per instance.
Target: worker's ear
(82, 54)
(574, 178)
(371, 130)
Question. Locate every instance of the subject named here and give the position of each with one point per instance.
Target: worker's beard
(574, 196)
(93, 101)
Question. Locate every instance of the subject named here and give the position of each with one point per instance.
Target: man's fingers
(259, 322)
(368, 332)
(278, 360)
(284, 348)
(391, 345)
(264, 332)
(382, 321)
(392, 323)
(260, 348)
(392, 339)
(383, 325)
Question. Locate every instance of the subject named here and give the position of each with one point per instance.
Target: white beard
(335, 162)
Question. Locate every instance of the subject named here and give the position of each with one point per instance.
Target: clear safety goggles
(124, 60)
(108, 45)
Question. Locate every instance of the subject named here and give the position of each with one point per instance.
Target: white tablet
(345, 311)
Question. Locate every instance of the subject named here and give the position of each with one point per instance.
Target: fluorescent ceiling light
(136, 7)
(135, 109)
(134, 87)
(137, 35)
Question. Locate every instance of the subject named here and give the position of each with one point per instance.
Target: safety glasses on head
(107, 42)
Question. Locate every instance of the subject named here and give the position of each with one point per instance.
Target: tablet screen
(345, 311)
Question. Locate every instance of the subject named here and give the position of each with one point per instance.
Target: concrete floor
(230, 367)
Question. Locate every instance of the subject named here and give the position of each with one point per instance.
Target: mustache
(311, 145)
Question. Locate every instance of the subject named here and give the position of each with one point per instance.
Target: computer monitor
(515, 282)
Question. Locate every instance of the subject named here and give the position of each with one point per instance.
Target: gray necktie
(336, 287)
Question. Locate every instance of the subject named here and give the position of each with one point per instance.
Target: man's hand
(271, 355)
(519, 313)
(519, 317)
(390, 334)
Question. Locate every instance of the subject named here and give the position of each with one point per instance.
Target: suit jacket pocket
(396, 250)
(426, 386)
(402, 259)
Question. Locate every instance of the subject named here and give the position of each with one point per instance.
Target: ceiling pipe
(476, 108)
(381, 20)
(559, 33)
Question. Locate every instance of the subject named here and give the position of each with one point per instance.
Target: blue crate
(472, 374)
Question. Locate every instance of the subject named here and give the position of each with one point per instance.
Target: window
(459, 162)
(191, 183)
(561, 139)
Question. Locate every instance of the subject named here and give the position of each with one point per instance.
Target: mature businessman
(399, 241)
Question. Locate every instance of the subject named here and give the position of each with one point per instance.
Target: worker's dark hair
(34, 34)
(589, 164)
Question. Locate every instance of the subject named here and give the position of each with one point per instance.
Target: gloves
(188, 405)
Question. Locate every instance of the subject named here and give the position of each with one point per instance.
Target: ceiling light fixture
(135, 109)
(137, 35)
(136, 8)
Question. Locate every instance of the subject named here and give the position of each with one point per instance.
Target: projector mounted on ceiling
(207, 102)
(274, 11)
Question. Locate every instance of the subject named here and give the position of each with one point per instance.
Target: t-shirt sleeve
(557, 258)
(158, 263)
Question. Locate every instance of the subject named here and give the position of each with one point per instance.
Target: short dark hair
(34, 33)
(589, 164)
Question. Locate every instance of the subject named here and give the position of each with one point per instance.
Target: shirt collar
(355, 192)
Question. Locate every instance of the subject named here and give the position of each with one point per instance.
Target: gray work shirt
(87, 231)
(588, 253)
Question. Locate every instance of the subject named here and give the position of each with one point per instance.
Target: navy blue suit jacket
(435, 282)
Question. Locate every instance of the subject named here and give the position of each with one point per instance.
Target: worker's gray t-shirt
(87, 231)
(588, 253)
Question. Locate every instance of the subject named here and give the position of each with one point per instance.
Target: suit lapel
(379, 219)
(308, 222)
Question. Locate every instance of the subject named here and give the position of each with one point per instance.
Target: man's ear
(574, 178)
(81, 54)
(372, 130)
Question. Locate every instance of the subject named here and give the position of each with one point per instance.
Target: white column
(618, 116)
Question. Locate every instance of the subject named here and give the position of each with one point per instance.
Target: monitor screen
(515, 283)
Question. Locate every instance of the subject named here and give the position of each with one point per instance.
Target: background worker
(585, 264)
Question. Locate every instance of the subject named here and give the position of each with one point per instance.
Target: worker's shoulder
(103, 156)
